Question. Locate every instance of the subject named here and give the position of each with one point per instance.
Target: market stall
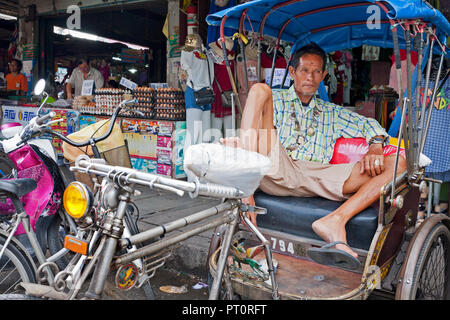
(155, 133)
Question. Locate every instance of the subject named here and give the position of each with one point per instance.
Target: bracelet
(378, 140)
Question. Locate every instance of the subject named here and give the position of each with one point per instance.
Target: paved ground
(156, 208)
(187, 266)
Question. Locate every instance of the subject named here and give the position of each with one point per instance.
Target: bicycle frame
(113, 236)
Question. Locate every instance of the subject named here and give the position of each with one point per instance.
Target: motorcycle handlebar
(44, 118)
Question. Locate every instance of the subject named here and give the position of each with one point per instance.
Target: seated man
(298, 132)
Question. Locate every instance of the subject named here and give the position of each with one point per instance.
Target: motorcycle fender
(41, 227)
(45, 146)
(21, 246)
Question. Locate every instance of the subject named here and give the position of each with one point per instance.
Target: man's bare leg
(366, 191)
(257, 132)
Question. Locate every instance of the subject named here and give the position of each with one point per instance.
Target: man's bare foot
(330, 228)
(234, 142)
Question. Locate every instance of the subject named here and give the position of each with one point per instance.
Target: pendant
(292, 147)
(310, 132)
(301, 140)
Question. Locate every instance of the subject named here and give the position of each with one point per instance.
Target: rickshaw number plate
(288, 247)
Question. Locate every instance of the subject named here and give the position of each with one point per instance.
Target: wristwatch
(383, 141)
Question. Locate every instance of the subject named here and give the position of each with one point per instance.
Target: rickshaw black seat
(295, 215)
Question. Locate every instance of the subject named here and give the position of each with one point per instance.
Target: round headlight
(77, 200)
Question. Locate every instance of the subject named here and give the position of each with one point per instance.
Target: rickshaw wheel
(426, 275)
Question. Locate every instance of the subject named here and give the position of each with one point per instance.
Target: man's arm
(69, 90)
(99, 80)
(353, 125)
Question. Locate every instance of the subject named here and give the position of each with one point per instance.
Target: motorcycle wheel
(15, 267)
(55, 240)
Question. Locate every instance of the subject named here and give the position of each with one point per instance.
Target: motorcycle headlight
(77, 200)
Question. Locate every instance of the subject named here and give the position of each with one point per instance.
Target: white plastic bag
(232, 167)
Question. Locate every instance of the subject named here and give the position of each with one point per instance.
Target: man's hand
(251, 202)
(373, 161)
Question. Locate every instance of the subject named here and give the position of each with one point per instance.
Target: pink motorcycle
(31, 213)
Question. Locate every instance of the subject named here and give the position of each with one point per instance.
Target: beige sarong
(300, 178)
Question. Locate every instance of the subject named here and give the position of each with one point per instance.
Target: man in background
(83, 72)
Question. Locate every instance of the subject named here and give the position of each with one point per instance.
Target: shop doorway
(122, 41)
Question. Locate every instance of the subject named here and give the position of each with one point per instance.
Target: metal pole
(269, 259)
(397, 154)
(102, 269)
(398, 62)
(410, 164)
(258, 68)
(241, 43)
(244, 65)
(425, 91)
(179, 223)
(274, 59)
(415, 142)
(230, 74)
(214, 294)
(169, 241)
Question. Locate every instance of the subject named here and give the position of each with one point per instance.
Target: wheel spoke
(433, 279)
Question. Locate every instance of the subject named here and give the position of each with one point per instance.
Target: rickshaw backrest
(295, 215)
(348, 150)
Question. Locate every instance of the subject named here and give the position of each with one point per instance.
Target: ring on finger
(376, 163)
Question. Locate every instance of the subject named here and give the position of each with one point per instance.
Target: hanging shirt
(196, 66)
(309, 132)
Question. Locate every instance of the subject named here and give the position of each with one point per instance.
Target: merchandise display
(169, 104)
(156, 146)
(145, 97)
(105, 101)
(155, 137)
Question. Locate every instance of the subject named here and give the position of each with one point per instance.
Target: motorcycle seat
(295, 215)
(17, 187)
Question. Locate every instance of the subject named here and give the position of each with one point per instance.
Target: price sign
(87, 88)
(128, 83)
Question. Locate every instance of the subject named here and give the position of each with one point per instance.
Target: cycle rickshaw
(401, 257)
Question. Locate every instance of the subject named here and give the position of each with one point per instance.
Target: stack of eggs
(107, 99)
(170, 104)
(145, 97)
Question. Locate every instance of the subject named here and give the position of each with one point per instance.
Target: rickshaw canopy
(332, 24)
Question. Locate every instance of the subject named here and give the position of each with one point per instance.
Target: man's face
(308, 74)
(84, 67)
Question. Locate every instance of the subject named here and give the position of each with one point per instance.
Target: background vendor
(15, 81)
(83, 72)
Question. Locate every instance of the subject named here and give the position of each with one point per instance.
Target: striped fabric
(309, 132)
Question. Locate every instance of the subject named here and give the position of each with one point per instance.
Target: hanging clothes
(393, 83)
(221, 76)
(251, 76)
